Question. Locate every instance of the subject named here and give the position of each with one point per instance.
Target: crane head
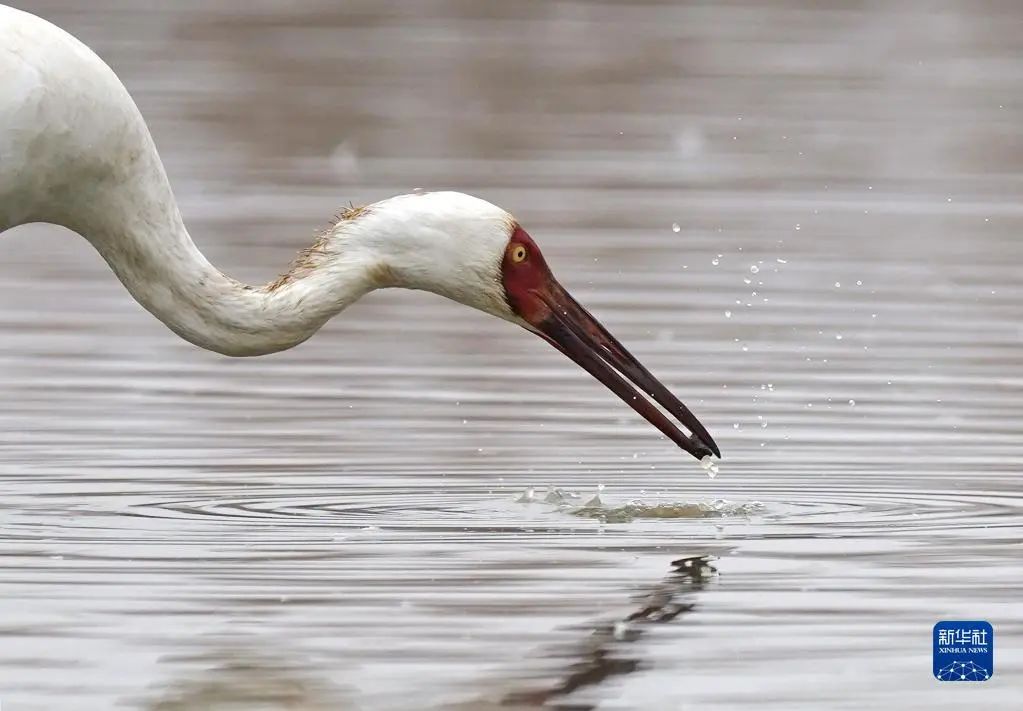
(544, 307)
(473, 252)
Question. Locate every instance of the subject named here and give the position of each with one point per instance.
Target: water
(338, 526)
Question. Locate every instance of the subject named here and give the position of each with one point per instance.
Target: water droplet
(782, 261)
(554, 495)
(676, 227)
(838, 336)
(838, 285)
(526, 497)
(709, 466)
(852, 403)
(715, 261)
(754, 269)
(728, 314)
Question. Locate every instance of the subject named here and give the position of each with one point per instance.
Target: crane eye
(518, 253)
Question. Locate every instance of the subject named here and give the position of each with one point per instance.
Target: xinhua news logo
(964, 650)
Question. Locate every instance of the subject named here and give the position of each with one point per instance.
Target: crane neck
(138, 230)
(77, 152)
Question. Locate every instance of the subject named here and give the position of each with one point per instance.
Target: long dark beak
(575, 332)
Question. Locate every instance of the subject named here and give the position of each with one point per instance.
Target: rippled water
(348, 526)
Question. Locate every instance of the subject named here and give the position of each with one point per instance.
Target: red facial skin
(536, 297)
(525, 280)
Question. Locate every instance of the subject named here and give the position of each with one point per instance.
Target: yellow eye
(518, 253)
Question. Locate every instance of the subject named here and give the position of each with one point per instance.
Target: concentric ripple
(816, 248)
(842, 511)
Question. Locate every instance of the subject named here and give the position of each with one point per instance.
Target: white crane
(75, 151)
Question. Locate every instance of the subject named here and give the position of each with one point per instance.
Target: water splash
(557, 495)
(710, 466)
(565, 501)
(527, 497)
(719, 508)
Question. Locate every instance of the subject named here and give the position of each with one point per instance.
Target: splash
(719, 508)
(567, 502)
(557, 495)
(527, 497)
(710, 466)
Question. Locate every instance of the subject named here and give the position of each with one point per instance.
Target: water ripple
(839, 304)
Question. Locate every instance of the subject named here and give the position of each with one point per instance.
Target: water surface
(806, 221)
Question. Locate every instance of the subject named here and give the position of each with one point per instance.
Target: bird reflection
(229, 677)
(235, 676)
(600, 655)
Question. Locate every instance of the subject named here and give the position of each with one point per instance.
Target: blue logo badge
(964, 651)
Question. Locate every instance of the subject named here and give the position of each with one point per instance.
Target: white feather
(75, 151)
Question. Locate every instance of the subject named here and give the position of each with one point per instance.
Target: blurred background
(804, 217)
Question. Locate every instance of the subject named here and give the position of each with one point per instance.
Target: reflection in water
(235, 677)
(231, 675)
(607, 650)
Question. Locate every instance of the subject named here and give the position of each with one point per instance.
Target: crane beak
(570, 328)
